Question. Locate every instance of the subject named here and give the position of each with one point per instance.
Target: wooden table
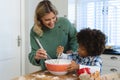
(45, 75)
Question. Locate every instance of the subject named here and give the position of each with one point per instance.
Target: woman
(51, 32)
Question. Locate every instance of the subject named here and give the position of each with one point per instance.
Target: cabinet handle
(114, 58)
(113, 70)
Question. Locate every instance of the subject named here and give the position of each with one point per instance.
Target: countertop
(45, 75)
(112, 51)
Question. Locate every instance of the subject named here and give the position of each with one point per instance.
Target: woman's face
(49, 20)
(82, 51)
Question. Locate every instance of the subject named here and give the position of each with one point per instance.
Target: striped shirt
(88, 61)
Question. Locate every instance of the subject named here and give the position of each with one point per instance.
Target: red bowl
(57, 66)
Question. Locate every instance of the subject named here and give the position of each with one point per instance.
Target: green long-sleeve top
(63, 34)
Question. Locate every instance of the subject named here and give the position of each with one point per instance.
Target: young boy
(91, 45)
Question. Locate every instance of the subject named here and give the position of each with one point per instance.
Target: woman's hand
(73, 66)
(40, 54)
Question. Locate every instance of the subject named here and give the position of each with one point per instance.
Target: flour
(55, 78)
(74, 75)
(39, 76)
(69, 79)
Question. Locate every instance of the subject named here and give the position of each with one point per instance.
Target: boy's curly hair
(93, 40)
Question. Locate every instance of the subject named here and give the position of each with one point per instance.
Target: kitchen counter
(115, 50)
(112, 51)
(111, 63)
(45, 75)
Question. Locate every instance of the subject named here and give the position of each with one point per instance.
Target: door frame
(22, 33)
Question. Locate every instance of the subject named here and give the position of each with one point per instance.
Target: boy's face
(82, 51)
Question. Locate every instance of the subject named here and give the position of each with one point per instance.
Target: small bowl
(57, 66)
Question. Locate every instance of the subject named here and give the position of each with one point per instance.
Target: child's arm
(70, 56)
(63, 56)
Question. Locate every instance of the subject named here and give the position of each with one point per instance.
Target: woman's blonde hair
(42, 9)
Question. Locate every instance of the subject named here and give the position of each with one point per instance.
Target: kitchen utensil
(40, 45)
(57, 66)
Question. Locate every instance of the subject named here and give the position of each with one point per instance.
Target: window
(71, 11)
(100, 14)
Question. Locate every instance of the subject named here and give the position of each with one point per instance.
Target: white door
(10, 65)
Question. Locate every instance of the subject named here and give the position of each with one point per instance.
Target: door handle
(18, 41)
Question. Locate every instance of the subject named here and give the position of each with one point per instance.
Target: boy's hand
(73, 66)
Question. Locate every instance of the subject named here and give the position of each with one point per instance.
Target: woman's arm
(34, 48)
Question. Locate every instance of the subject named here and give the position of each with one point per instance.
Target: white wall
(30, 8)
(62, 7)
